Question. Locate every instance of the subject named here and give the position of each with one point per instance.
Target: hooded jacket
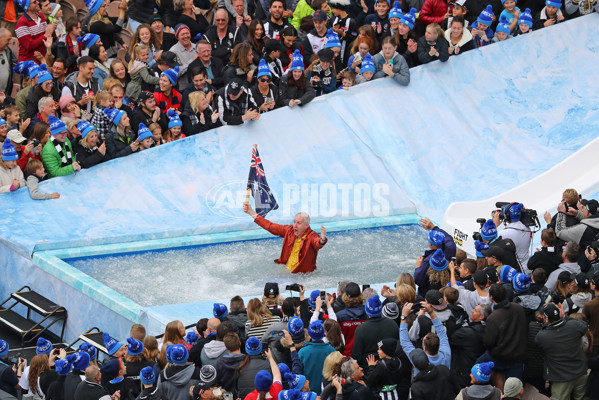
(175, 381)
(369, 334)
(139, 74)
(464, 44)
(400, 68)
(480, 391)
(288, 93)
(466, 346)
(7, 176)
(389, 372)
(212, 352)
(355, 391)
(225, 370)
(571, 267)
(245, 382)
(576, 233)
(506, 332)
(434, 383)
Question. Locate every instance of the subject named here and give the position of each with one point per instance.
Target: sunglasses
(220, 20)
(265, 80)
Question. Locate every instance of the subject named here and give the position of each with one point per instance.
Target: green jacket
(52, 161)
(302, 10)
(21, 101)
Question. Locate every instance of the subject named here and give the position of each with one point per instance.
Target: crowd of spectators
(194, 65)
(458, 327)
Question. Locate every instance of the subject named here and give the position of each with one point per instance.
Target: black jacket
(87, 158)
(506, 332)
(390, 371)
(196, 351)
(216, 65)
(221, 49)
(34, 96)
(152, 393)
(356, 391)
(71, 382)
(434, 383)
(116, 146)
(141, 117)
(369, 333)
(289, 93)
(440, 45)
(466, 346)
(548, 260)
(225, 371)
(273, 95)
(192, 124)
(90, 391)
(231, 112)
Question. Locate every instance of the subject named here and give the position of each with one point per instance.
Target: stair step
(36, 302)
(17, 322)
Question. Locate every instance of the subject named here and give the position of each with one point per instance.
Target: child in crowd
(503, 31)
(459, 9)
(524, 23)
(13, 119)
(104, 101)
(363, 45)
(11, 177)
(481, 28)
(380, 19)
(390, 63)
(174, 131)
(367, 70)
(551, 14)
(348, 79)
(407, 42)
(320, 73)
(156, 133)
(145, 137)
(36, 171)
(511, 14)
(138, 70)
(458, 37)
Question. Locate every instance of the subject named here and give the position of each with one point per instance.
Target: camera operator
(583, 233)
(10, 372)
(515, 230)
(501, 251)
(571, 198)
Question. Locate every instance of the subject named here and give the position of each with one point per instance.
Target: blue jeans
(513, 369)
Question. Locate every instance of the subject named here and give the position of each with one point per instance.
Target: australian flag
(263, 197)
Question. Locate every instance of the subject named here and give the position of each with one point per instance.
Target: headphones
(506, 211)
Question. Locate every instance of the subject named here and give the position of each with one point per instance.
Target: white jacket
(466, 37)
(7, 176)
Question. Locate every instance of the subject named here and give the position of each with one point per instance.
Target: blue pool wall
(466, 129)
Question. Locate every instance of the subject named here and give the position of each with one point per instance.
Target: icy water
(242, 268)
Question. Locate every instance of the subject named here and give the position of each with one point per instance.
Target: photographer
(583, 233)
(10, 372)
(515, 230)
(501, 251)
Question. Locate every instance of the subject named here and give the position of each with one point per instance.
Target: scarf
(66, 158)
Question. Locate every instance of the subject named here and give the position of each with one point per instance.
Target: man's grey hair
(305, 216)
(341, 287)
(486, 310)
(43, 102)
(347, 369)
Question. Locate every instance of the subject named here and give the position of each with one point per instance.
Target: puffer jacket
(245, 382)
(117, 146)
(400, 68)
(139, 74)
(7, 176)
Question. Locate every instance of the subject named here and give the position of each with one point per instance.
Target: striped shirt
(31, 34)
(259, 331)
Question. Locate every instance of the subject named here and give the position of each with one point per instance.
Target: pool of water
(242, 268)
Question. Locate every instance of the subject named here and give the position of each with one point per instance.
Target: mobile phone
(453, 260)
(323, 294)
(364, 287)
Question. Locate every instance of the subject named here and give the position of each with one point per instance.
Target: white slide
(579, 171)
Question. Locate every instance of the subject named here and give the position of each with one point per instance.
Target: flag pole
(247, 195)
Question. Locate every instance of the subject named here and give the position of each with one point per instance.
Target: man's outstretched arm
(275, 229)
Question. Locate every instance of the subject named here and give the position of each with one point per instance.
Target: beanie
(521, 282)
(33, 70)
(367, 64)
(93, 6)
(316, 330)
(172, 74)
(22, 68)
(554, 3)
(436, 238)
(63, 366)
(253, 346)
(504, 26)
(4, 347)
(134, 347)
(313, 296)
(480, 246)
(167, 354)
(388, 346)
(43, 75)
(179, 28)
(179, 354)
(294, 394)
(208, 374)
(84, 128)
(507, 273)
(147, 376)
(515, 210)
(295, 327)
(486, 16)
(114, 114)
(297, 61)
(373, 307)
(438, 262)
(43, 346)
(174, 120)
(110, 369)
(482, 371)
(525, 18)
(295, 381)
(332, 40)
(81, 360)
(512, 387)
(88, 40)
(390, 310)
(284, 369)
(56, 125)
(263, 69)
(24, 4)
(191, 338)
(409, 18)
(89, 349)
(112, 345)
(263, 381)
(9, 153)
(396, 11)
(489, 230)
(219, 310)
(144, 133)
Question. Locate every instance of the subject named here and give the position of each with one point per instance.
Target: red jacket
(31, 36)
(308, 252)
(433, 11)
(166, 103)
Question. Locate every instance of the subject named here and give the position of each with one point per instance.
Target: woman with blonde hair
(151, 351)
(433, 46)
(90, 152)
(174, 333)
(108, 27)
(241, 65)
(199, 115)
(331, 367)
(259, 319)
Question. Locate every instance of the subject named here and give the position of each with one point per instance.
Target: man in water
(300, 242)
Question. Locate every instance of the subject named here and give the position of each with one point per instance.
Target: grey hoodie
(212, 351)
(572, 268)
(175, 381)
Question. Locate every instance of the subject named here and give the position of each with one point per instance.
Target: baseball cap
(234, 86)
(491, 274)
(320, 16)
(551, 312)
(419, 359)
(461, 3)
(170, 58)
(565, 277)
(582, 281)
(595, 278)
(352, 289)
(326, 55)
(493, 251)
(15, 136)
(271, 289)
(436, 300)
(591, 205)
(273, 45)
(145, 95)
